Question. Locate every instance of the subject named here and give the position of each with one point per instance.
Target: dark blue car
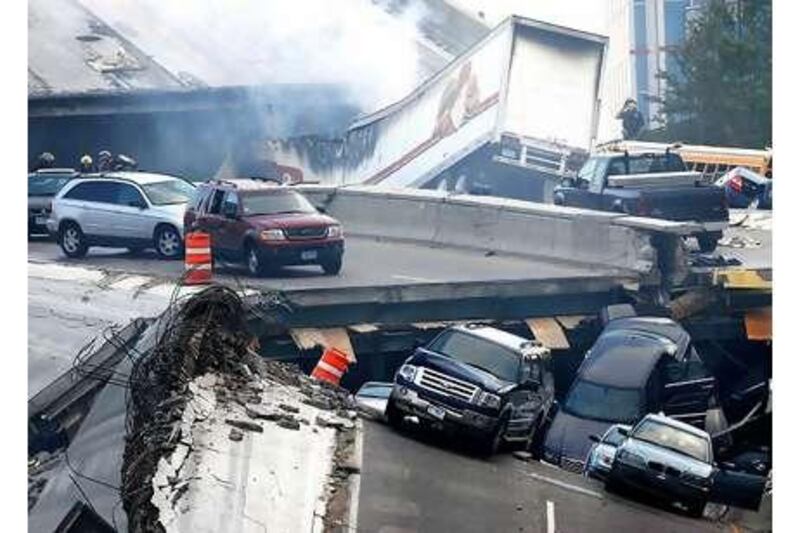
(638, 365)
(478, 381)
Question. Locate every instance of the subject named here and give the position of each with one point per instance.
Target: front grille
(572, 465)
(445, 385)
(298, 234)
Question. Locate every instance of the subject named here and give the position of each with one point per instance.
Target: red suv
(265, 226)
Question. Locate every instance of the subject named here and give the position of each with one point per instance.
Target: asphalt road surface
(367, 262)
(412, 482)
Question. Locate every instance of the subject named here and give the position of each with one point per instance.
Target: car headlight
(487, 399)
(334, 231)
(633, 459)
(273, 235)
(407, 372)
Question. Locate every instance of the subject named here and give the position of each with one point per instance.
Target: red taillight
(736, 183)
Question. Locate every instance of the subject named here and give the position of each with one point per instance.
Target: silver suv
(135, 210)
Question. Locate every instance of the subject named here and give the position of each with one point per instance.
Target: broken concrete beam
(258, 412)
(289, 423)
(245, 425)
(289, 408)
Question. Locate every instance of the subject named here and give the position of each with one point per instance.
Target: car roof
(627, 360)
(246, 184)
(677, 424)
(54, 171)
(652, 325)
(498, 336)
(140, 178)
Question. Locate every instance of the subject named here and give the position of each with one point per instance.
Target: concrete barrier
(499, 225)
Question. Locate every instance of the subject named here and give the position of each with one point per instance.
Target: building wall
(658, 27)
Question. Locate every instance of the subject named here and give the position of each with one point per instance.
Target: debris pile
(204, 403)
(206, 333)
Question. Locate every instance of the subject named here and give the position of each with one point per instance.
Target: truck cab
(481, 382)
(648, 184)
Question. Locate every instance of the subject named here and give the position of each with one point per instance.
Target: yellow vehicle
(711, 161)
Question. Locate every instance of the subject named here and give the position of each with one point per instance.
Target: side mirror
(230, 211)
(137, 203)
(594, 438)
(568, 182)
(624, 432)
(321, 209)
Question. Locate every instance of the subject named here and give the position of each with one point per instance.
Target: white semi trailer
(510, 117)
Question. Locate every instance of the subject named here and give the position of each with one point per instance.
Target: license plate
(40, 220)
(308, 255)
(436, 412)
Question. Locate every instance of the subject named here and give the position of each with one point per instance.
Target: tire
(393, 415)
(168, 243)
(332, 266)
(252, 260)
(491, 444)
(707, 242)
(72, 240)
(695, 508)
(533, 444)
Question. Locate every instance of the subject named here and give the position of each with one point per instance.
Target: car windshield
(375, 391)
(613, 437)
(480, 353)
(673, 438)
(646, 164)
(605, 403)
(275, 203)
(169, 192)
(46, 185)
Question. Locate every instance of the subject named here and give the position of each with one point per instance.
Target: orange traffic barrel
(332, 366)
(197, 258)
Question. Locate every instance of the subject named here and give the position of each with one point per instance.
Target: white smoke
(355, 43)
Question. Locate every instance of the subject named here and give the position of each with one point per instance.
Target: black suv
(494, 386)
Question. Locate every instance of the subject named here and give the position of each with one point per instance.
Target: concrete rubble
(220, 439)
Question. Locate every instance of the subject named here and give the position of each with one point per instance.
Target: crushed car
(486, 384)
(674, 462)
(745, 188)
(638, 365)
(601, 455)
(371, 398)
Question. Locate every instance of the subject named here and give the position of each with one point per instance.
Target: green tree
(721, 90)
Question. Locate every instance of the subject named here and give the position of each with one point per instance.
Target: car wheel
(72, 240)
(168, 243)
(332, 266)
(491, 444)
(393, 415)
(533, 444)
(253, 260)
(695, 508)
(707, 242)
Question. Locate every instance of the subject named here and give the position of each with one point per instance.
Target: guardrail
(507, 226)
